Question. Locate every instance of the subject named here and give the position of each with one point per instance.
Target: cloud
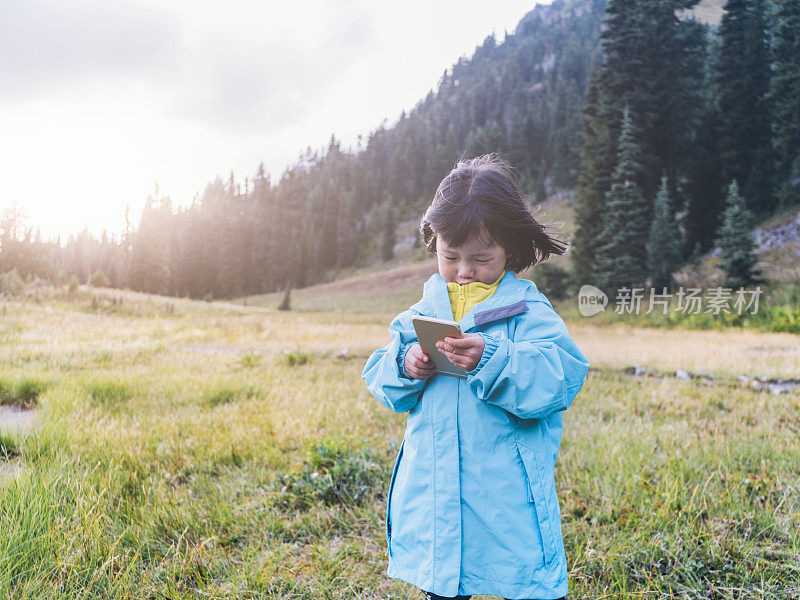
(267, 76)
(245, 67)
(49, 46)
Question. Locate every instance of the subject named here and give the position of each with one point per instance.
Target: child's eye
(450, 258)
(483, 261)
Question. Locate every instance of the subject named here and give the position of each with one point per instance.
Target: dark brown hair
(482, 195)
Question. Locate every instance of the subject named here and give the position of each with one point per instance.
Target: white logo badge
(591, 300)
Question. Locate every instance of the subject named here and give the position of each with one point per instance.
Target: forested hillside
(709, 115)
(521, 97)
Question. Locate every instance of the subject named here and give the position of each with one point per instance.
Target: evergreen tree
(150, 256)
(742, 81)
(286, 303)
(653, 65)
(704, 185)
(664, 246)
(11, 248)
(624, 79)
(230, 235)
(592, 185)
(785, 99)
(672, 104)
(622, 255)
(388, 234)
(737, 249)
(262, 269)
(330, 185)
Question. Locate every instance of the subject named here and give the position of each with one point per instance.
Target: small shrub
(23, 393)
(332, 474)
(73, 283)
(103, 356)
(783, 319)
(11, 283)
(286, 303)
(108, 393)
(296, 358)
(251, 359)
(26, 391)
(99, 279)
(227, 394)
(551, 280)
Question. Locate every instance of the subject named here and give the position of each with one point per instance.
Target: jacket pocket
(389, 500)
(537, 495)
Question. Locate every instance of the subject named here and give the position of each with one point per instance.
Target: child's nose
(465, 270)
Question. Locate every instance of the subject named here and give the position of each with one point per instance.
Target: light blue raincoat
(472, 505)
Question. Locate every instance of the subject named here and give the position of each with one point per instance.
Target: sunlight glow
(88, 134)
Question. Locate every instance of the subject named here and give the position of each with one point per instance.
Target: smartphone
(431, 330)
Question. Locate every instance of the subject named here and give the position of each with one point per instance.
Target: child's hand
(417, 364)
(464, 352)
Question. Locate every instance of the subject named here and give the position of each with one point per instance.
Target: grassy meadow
(188, 449)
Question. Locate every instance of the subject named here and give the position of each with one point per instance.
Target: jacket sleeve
(537, 373)
(384, 374)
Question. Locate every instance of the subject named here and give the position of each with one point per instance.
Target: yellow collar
(465, 296)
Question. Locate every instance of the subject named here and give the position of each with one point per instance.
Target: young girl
(472, 505)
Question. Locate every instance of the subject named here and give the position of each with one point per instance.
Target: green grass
(108, 392)
(8, 447)
(227, 393)
(22, 393)
(163, 472)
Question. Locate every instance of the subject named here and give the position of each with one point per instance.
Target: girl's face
(474, 261)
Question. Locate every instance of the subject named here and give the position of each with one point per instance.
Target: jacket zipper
(389, 499)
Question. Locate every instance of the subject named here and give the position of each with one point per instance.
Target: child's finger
(417, 353)
(452, 356)
(443, 347)
(422, 372)
(464, 342)
(457, 360)
(448, 347)
(424, 364)
(421, 364)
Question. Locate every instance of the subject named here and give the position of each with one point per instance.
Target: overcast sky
(99, 100)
